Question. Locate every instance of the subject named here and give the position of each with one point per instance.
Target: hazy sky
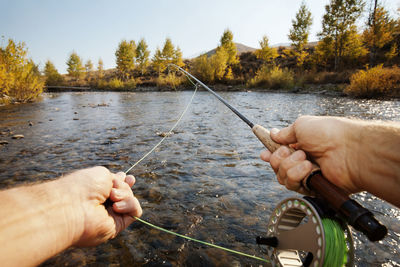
(53, 29)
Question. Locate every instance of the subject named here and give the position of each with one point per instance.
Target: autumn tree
(19, 76)
(74, 66)
(125, 58)
(379, 31)
(88, 68)
(226, 42)
(51, 74)
(100, 69)
(299, 33)
(339, 17)
(266, 53)
(142, 55)
(169, 54)
(213, 68)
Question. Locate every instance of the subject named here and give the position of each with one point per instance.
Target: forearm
(37, 222)
(378, 159)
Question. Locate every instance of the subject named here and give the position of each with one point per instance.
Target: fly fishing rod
(336, 198)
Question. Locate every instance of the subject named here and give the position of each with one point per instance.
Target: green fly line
(336, 248)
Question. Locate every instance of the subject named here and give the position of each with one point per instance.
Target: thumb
(284, 136)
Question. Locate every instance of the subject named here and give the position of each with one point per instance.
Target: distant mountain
(241, 48)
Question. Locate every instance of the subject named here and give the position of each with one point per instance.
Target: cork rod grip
(315, 181)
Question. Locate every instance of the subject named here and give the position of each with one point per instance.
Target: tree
(299, 33)
(142, 55)
(379, 31)
(100, 69)
(88, 68)
(266, 53)
(340, 16)
(51, 74)
(125, 54)
(214, 68)
(19, 76)
(158, 62)
(169, 54)
(75, 68)
(229, 46)
(177, 59)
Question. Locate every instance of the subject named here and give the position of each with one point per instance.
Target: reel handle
(355, 214)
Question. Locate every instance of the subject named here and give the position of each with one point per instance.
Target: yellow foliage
(116, 84)
(374, 81)
(214, 68)
(19, 76)
(273, 77)
(171, 80)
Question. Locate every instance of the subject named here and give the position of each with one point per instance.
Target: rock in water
(3, 142)
(164, 134)
(18, 136)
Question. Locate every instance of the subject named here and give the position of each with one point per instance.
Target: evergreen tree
(340, 16)
(299, 32)
(51, 74)
(266, 53)
(142, 56)
(100, 69)
(229, 46)
(125, 58)
(75, 68)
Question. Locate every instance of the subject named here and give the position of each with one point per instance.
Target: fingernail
(282, 151)
(121, 174)
(274, 131)
(297, 156)
(120, 204)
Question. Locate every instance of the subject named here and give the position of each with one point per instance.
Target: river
(206, 180)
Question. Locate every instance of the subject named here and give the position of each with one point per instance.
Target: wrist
(71, 210)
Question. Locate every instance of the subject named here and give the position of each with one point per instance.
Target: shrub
(171, 80)
(376, 81)
(116, 84)
(273, 77)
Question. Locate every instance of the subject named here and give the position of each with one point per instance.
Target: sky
(53, 29)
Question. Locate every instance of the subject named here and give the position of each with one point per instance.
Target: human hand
(97, 222)
(324, 140)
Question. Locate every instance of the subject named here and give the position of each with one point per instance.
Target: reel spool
(298, 235)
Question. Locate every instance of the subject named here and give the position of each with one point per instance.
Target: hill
(241, 48)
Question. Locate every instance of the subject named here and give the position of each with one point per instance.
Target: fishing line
(336, 252)
(168, 231)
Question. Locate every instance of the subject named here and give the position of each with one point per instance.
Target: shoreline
(330, 89)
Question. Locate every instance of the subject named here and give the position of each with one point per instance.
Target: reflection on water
(205, 181)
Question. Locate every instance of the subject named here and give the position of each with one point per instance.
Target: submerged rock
(18, 136)
(164, 134)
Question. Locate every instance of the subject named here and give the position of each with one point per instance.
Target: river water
(205, 181)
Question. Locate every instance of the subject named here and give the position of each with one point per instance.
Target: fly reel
(302, 232)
